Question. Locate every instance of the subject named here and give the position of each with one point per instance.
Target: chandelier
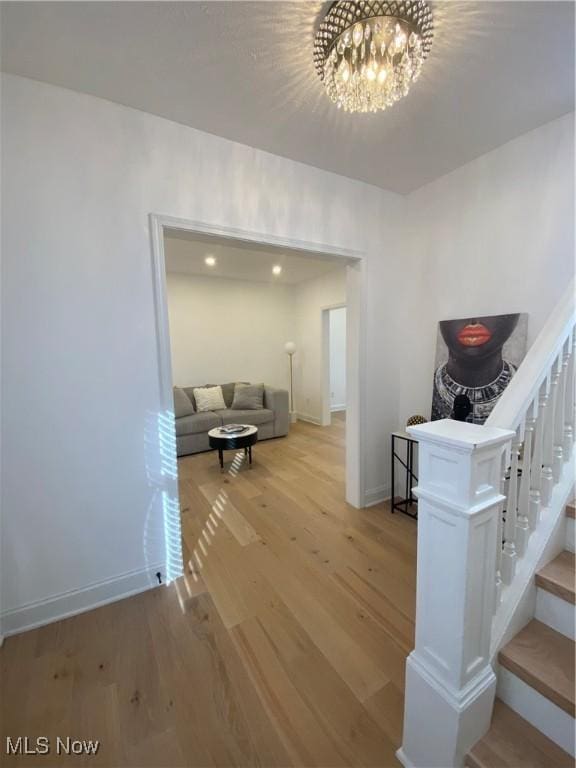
(368, 53)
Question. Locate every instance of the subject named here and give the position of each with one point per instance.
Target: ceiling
(185, 253)
(243, 70)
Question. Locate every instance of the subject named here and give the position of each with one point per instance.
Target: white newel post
(450, 683)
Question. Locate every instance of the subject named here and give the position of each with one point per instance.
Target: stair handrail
(525, 385)
(538, 469)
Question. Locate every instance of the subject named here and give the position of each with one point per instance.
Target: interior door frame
(355, 340)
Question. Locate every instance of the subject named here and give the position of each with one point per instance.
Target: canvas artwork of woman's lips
(474, 335)
(471, 361)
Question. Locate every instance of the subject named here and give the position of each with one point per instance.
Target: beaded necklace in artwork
(483, 399)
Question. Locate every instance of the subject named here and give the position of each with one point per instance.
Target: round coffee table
(221, 442)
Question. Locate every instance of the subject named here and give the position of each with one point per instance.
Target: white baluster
(499, 535)
(569, 399)
(547, 481)
(509, 552)
(558, 462)
(522, 521)
(538, 411)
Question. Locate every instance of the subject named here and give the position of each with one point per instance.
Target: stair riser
(556, 613)
(540, 712)
(570, 533)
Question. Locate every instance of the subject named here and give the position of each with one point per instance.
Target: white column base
(441, 726)
(534, 509)
(568, 442)
(547, 484)
(293, 417)
(403, 759)
(558, 463)
(508, 565)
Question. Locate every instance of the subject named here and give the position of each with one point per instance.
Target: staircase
(533, 719)
(490, 682)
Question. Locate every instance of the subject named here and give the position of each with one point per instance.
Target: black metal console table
(409, 504)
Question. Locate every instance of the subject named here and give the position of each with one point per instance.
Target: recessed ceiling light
(276, 269)
(210, 261)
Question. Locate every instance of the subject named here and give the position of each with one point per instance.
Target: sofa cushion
(248, 397)
(227, 392)
(209, 399)
(190, 392)
(255, 417)
(197, 422)
(182, 404)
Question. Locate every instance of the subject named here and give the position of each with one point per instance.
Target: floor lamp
(290, 349)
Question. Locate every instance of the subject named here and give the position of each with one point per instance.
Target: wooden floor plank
(343, 717)
(387, 708)
(302, 733)
(223, 507)
(283, 644)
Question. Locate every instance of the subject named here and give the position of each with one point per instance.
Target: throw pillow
(190, 392)
(228, 393)
(248, 397)
(182, 404)
(209, 399)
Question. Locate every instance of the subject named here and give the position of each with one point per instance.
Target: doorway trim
(355, 262)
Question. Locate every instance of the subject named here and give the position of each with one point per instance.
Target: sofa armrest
(277, 400)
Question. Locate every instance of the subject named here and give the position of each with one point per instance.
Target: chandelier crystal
(368, 53)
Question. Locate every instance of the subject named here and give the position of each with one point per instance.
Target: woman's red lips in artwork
(474, 335)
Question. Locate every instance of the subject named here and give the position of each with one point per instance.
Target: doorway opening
(334, 363)
(201, 247)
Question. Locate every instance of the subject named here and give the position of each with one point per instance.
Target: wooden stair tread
(544, 659)
(558, 576)
(512, 742)
(571, 510)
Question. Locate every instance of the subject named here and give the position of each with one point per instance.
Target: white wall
(82, 512)
(494, 236)
(311, 297)
(228, 330)
(337, 340)
(82, 516)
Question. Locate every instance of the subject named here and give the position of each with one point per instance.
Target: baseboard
(376, 495)
(309, 418)
(336, 408)
(78, 601)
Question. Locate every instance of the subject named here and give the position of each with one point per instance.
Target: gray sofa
(273, 420)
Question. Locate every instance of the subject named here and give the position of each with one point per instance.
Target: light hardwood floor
(283, 645)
